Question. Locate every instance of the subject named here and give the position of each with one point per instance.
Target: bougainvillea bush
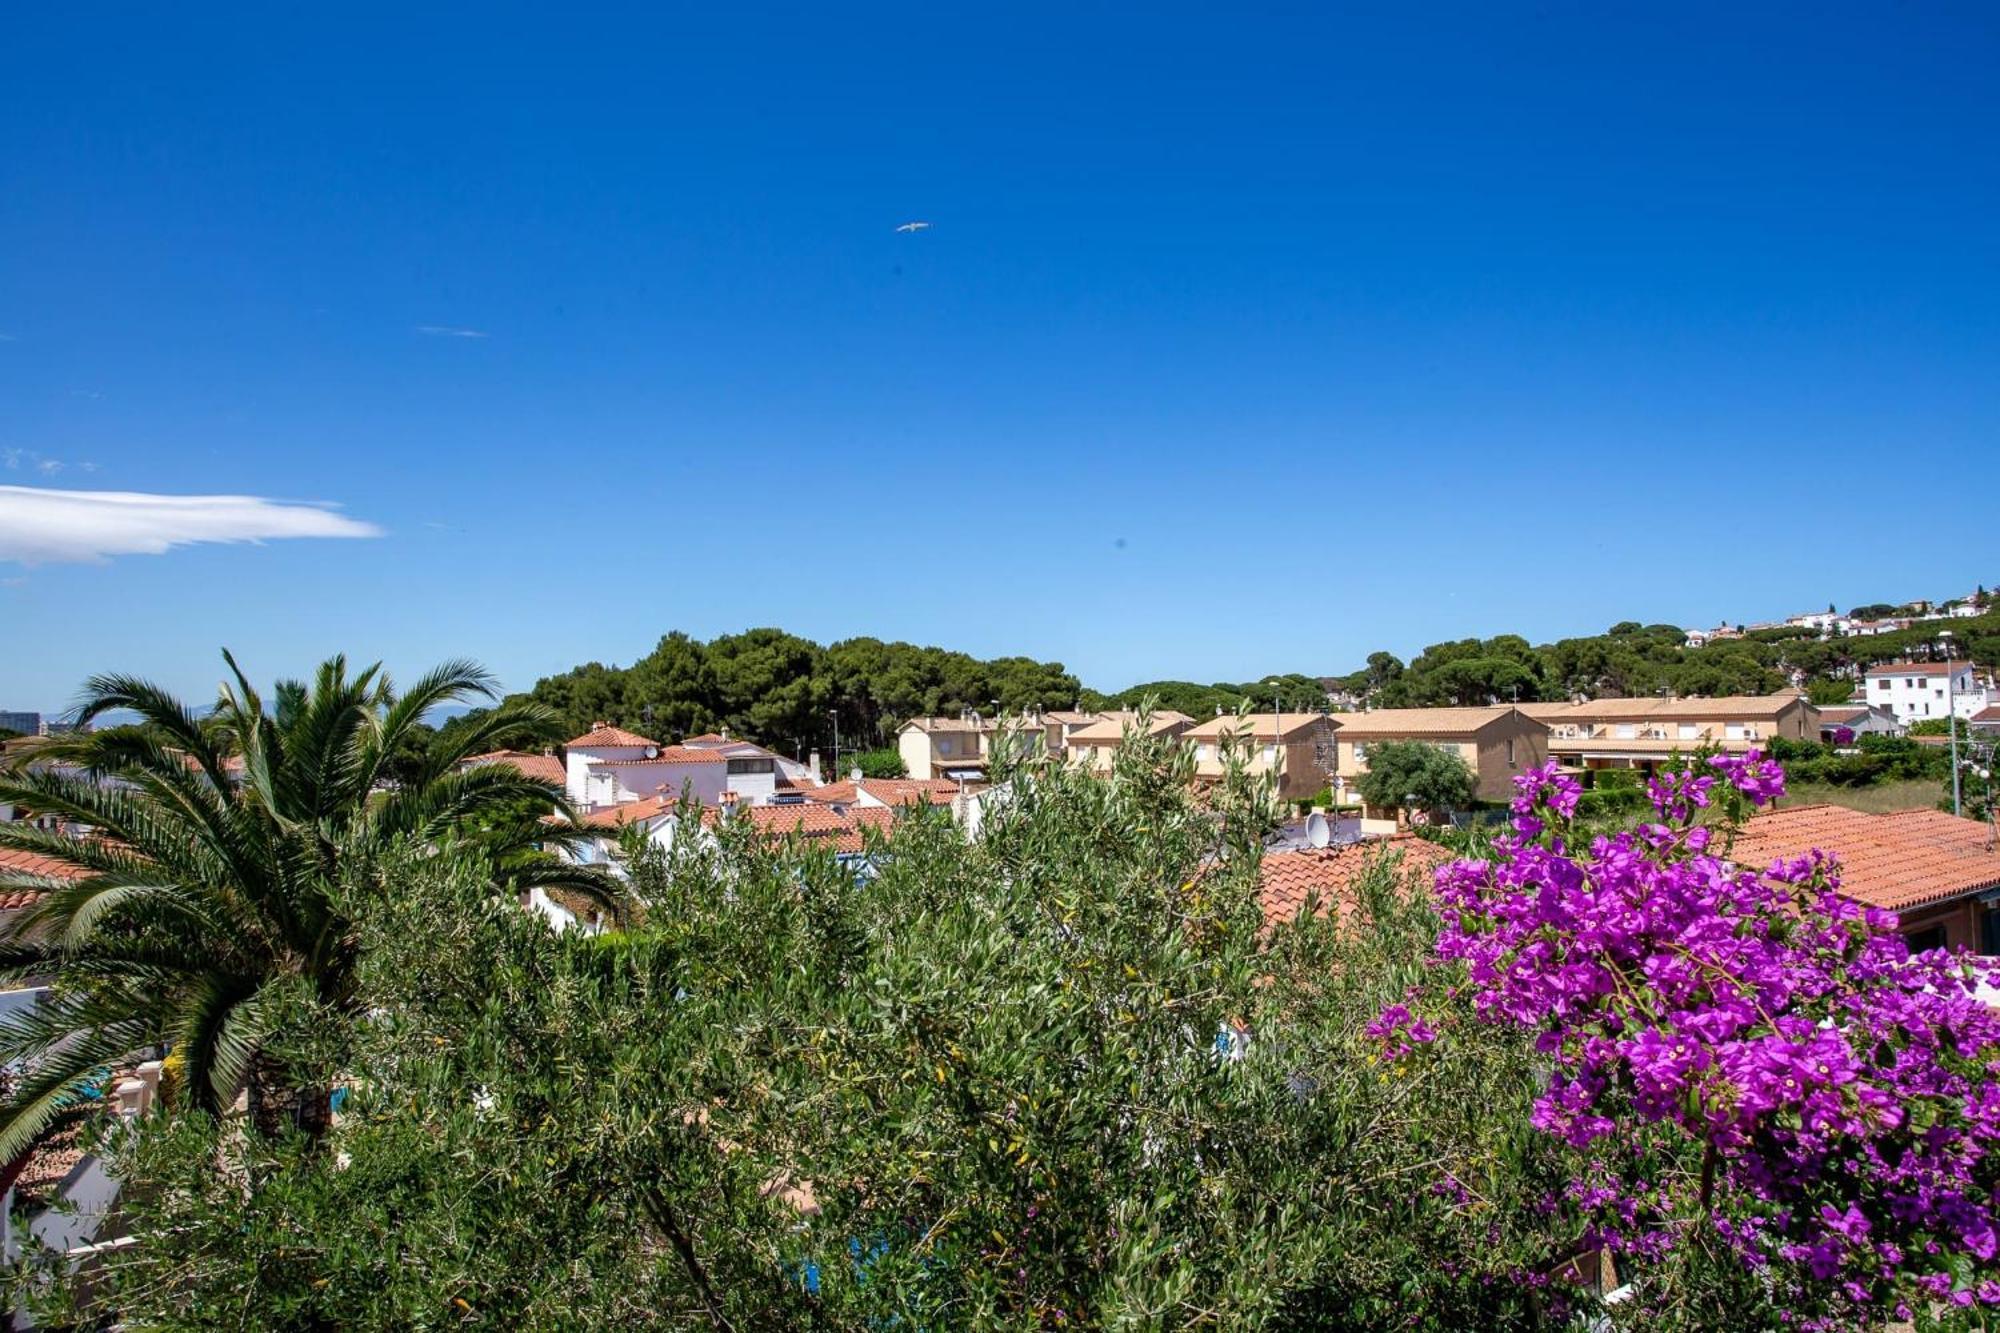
(1744, 1062)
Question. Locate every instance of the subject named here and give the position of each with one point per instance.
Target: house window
(1881, 684)
(1270, 754)
(1360, 753)
(1689, 731)
(751, 766)
(1510, 752)
(945, 745)
(1628, 731)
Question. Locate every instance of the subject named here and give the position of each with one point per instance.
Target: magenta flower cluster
(1841, 1096)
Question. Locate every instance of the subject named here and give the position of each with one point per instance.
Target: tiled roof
(1991, 713)
(631, 812)
(1261, 726)
(889, 791)
(672, 754)
(1897, 861)
(1070, 717)
(1836, 714)
(604, 735)
(707, 738)
(1384, 722)
(29, 863)
(541, 767)
(929, 725)
(49, 1164)
(1289, 878)
(819, 824)
(1726, 706)
(1917, 668)
(1111, 730)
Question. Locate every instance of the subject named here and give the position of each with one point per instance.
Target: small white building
(1915, 691)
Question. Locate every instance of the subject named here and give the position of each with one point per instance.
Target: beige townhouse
(1497, 743)
(1646, 733)
(1095, 747)
(1298, 747)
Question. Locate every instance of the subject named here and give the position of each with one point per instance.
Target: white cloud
(41, 526)
(447, 331)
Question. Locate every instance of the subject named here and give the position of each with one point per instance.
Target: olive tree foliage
(1061, 1075)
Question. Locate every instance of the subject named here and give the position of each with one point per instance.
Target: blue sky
(1242, 341)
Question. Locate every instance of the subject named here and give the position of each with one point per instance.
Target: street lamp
(834, 713)
(1951, 711)
(1278, 737)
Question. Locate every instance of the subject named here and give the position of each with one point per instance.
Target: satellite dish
(652, 752)
(1318, 832)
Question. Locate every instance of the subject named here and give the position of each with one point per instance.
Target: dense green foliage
(886, 762)
(1415, 775)
(204, 912)
(1634, 660)
(782, 690)
(1297, 693)
(995, 1066)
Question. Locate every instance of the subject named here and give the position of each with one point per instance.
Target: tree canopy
(1416, 774)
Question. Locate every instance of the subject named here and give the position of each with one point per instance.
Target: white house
(1914, 691)
(608, 766)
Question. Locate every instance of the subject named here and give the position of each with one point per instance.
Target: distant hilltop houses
(1861, 622)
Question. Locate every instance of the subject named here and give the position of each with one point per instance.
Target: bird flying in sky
(913, 226)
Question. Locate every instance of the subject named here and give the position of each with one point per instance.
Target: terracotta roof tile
(1288, 879)
(1900, 860)
(889, 791)
(631, 812)
(1384, 722)
(1727, 706)
(1261, 726)
(1917, 668)
(541, 767)
(672, 754)
(1111, 731)
(604, 735)
(29, 863)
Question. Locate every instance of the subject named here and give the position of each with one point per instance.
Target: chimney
(599, 725)
(812, 765)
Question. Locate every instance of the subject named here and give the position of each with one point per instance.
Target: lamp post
(1951, 711)
(1278, 738)
(834, 713)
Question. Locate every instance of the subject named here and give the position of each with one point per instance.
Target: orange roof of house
(1724, 706)
(889, 791)
(1900, 860)
(1111, 731)
(1381, 723)
(1288, 879)
(843, 828)
(604, 735)
(707, 738)
(1259, 726)
(30, 863)
(673, 754)
(631, 812)
(1917, 668)
(541, 767)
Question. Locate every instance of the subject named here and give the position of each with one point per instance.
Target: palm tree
(204, 872)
